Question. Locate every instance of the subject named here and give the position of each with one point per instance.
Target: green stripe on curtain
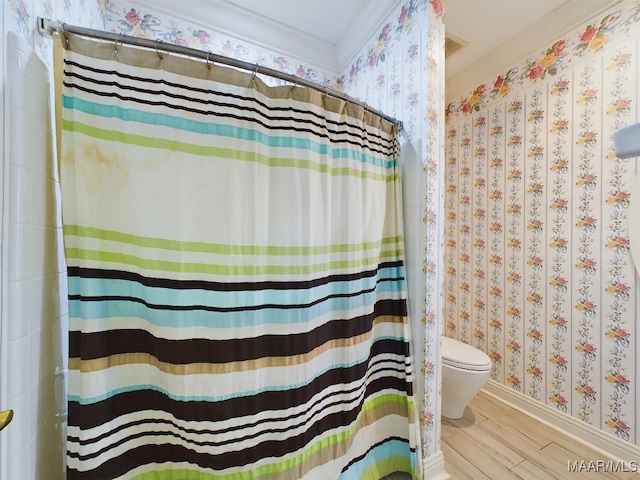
(147, 242)
(237, 293)
(207, 127)
(213, 151)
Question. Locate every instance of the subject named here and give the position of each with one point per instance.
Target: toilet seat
(460, 355)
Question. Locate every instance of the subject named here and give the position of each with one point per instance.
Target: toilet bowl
(465, 369)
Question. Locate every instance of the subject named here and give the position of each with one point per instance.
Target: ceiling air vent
(452, 44)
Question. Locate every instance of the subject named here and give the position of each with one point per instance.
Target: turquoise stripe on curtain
(237, 295)
(208, 128)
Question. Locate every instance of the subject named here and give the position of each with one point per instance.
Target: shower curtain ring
(255, 72)
(63, 33)
(158, 52)
(294, 84)
(115, 46)
(208, 61)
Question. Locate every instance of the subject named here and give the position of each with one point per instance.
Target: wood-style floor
(494, 441)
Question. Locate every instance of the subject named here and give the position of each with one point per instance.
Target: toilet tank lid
(460, 354)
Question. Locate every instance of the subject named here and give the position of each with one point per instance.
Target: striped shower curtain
(237, 298)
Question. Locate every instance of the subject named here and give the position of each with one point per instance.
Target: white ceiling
(330, 33)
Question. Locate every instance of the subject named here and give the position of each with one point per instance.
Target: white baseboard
(433, 467)
(593, 437)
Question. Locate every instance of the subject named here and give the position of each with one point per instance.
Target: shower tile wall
(34, 289)
(539, 274)
(33, 286)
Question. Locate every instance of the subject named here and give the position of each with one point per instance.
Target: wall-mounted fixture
(627, 141)
(627, 145)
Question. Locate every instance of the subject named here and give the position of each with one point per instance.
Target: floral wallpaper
(538, 271)
(593, 38)
(402, 74)
(20, 17)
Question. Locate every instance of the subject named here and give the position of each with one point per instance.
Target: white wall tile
(41, 191)
(21, 144)
(19, 425)
(18, 465)
(36, 323)
(32, 94)
(20, 191)
(17, 361)
(18, 310)
(20, 241)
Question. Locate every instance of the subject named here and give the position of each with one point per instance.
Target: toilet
(465, 369)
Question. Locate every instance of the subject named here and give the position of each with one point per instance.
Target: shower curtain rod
(49, 26)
